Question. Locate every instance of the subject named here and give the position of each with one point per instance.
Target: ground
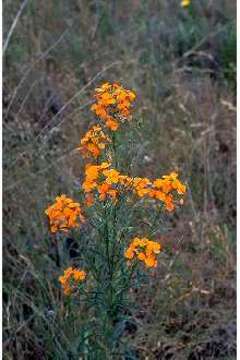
(181, 63)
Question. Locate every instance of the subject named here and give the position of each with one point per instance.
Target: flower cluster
(94, 141)
(71, 279)
(64, 214)
(93, 174)
(109, 182)
(160, 189)
(144, 250)
(113, 104)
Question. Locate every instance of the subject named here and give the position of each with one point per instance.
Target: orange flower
(94, 141)
(92, 173)
(100, 110)
(177, 185)
(111, 182)
(70, 279)
(89, 185)
(125, 180)
(169, 203)
(111, 124)
(112, 176)
(103, 190)
(64, 214)
(113, 194)
(113, 103)
(142, 186)
(102, 179)
(144, 250)
(89, 200)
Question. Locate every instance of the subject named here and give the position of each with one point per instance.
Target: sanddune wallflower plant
(113, 222)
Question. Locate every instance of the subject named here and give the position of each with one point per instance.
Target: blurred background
(182, 64)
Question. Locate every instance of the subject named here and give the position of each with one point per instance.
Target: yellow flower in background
(185, 3)
(144, 250)
(70, 279)
(64, 214)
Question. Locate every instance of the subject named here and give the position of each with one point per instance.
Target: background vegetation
(182, 64)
